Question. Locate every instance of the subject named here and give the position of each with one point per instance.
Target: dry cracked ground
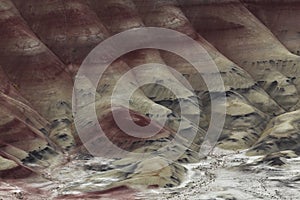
(255, 45)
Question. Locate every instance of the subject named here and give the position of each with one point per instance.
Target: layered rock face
(253, 44)
(285, 13)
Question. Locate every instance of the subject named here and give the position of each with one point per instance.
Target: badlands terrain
(254, 46)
